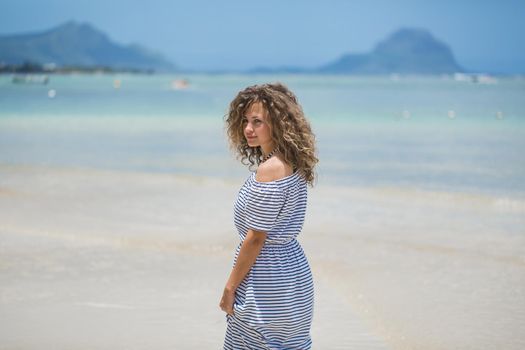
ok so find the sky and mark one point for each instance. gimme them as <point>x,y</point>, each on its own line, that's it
<point>485,36</point>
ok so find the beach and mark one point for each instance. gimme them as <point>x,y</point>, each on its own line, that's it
<point>97,259</point>
<point>119,260</point>
<point>116,213</point>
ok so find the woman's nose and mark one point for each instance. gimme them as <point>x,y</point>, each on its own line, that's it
<point>248,127</point>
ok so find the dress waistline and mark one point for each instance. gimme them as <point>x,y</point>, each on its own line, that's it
<point>279,244</point>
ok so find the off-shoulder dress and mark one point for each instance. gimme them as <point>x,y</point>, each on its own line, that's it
<point>273,305</point>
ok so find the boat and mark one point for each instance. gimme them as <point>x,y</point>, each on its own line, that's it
<point>179,84</point>
<point>30,79</point>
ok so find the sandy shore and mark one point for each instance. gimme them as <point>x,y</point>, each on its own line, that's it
<point>93,259</point>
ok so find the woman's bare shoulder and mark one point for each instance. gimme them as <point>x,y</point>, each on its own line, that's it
<point>273,169</point>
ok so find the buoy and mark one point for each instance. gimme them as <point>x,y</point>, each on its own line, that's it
<point>117,83</point>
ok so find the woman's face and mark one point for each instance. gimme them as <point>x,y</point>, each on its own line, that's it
<point>257,131</point>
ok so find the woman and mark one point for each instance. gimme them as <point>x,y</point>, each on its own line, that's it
<point>269,295</point>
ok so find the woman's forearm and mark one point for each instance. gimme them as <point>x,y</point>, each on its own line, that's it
<point>250,249</point>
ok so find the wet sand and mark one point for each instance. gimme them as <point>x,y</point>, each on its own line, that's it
<point>93,259</point>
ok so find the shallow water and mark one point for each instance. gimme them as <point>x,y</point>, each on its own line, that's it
<point>431,133</point>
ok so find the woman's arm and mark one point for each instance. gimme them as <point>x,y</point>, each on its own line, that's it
<point>250,249</point>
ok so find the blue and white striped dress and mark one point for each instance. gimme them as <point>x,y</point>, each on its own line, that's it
<point>273,305</point>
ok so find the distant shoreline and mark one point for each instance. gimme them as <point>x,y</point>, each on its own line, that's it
<point>36,68</point>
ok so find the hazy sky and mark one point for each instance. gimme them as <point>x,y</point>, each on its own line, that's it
<point>239,34</point>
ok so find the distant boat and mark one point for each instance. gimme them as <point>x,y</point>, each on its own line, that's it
<point>30,79</point>
<point>180,84</point>
<point>477,78</point>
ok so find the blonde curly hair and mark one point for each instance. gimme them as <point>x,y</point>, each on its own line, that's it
<point>290,130</point>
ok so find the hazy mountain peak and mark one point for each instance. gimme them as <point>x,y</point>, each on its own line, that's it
<point>410,40</point>
<point>78,28</point>
<point>78,44</point>
<point>407,50</point>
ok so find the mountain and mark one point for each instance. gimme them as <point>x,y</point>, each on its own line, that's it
<point>407,51</point>
<point>78,44</point>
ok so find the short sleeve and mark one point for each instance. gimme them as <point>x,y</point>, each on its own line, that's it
<point>264,202</point>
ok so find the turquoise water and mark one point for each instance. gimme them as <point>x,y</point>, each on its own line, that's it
<point>430,133</point>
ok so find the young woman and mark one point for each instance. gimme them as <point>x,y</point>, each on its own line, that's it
<point>269,295</point>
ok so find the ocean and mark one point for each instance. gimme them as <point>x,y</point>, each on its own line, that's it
<point>430,133</point>
<point>117,193</point>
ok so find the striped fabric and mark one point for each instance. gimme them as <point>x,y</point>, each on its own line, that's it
<point>274,303</point>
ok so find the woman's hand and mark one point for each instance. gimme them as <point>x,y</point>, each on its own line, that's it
<point>228,297</point>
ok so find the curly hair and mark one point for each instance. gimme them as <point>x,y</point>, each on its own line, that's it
<point>290,130</point>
